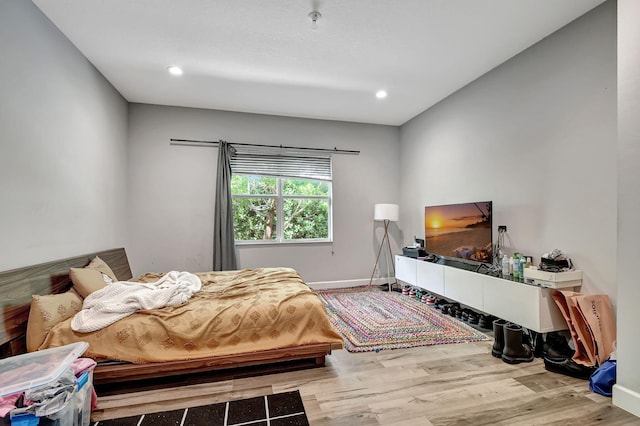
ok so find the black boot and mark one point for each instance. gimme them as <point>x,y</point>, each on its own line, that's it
<point>537,343</point>
<point>557,348</point>
<point>498,335</point>
<point>515,350</point>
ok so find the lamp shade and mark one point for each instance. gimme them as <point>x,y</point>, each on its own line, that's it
<point>386,212</point>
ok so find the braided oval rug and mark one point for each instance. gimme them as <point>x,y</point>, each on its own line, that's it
<point>372,320</point>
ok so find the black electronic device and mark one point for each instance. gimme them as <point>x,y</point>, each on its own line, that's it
<point>414,252</point>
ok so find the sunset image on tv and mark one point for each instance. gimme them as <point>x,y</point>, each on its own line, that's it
<point>459,230</point>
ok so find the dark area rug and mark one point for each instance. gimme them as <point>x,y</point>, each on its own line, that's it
<point>276,410</point>
<point>372,320</point>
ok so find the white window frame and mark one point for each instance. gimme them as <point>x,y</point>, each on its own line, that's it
<point>280,197</point>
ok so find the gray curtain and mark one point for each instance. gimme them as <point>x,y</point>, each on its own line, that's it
<point>224,247</point>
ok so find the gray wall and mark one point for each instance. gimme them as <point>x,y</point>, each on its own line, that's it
<point>626,393</point>
<point>171,198</point>
<point>537,136</point>
<point>62,145</point>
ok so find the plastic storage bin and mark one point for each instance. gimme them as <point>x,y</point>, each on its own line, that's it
<point>28,371</point>
<point>82,408</point>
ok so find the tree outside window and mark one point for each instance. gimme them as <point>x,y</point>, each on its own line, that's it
<point>280,209</point>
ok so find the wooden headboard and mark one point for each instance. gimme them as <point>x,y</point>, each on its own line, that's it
<point>18,285</point>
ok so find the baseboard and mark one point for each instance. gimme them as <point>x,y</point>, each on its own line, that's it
<point>329,285</point>
<point>627,399</point>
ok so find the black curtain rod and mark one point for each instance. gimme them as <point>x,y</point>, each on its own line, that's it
<point>190,142</point>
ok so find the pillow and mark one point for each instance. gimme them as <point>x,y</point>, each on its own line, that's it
<point>94,276</point>
<point>47,311</point>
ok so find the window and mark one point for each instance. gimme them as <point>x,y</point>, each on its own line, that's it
<point>284,199</point>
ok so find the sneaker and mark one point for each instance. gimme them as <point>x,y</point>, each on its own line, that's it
<point>406,289</point>
<point>431,300</point>
<point>412,292</point>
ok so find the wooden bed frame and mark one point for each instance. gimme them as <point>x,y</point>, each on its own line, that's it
<point>18,285</point>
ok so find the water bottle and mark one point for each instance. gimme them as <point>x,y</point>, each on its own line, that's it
<point>516,267</point>
<point>505,266</point>
<point>523,262</point>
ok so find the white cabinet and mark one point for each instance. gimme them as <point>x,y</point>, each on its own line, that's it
<point>430,276</point>
<point>464,287</point>
<point>527,305</point>
<point>406,269</point>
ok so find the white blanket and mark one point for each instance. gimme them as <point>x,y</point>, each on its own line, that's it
<point>122,298</point>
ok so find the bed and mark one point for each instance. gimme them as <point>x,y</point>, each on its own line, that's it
<point>265,316</point>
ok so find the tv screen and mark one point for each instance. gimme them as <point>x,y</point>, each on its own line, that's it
<point>462,231</point>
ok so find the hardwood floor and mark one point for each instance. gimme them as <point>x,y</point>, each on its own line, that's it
<point>460,384</point>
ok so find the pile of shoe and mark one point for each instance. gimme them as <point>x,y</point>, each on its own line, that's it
<point>514,344</point>
<point>414,292</point>
<point>420,294</point>
<point>465,314</point>
<point>451,308</point>
<point>440,303</point>
<point>486,321</point>
<point>472,317</point>
<point>429,299</point>
<point>557,355</point>
<point>510,343</point>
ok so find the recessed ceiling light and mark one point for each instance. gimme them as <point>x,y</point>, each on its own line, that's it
<point>381,94</point>
<point>175,70</point>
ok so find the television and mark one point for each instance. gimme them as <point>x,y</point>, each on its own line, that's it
<point>460,231</point>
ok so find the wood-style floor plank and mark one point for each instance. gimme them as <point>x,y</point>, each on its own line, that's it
<point>458,384</point>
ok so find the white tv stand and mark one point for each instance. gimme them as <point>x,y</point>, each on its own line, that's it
<point>528,305</point>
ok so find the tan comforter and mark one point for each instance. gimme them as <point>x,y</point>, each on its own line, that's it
<point>234,312</point>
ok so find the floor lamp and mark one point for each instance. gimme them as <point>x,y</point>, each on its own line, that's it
<point>387,213</point>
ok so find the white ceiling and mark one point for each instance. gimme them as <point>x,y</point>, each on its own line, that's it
<point>261,56</point>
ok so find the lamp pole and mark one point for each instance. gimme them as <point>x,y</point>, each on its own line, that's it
<point>375,266</point>
<point>386,213</point>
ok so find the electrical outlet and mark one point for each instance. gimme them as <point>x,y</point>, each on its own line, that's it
<point>502,228</point>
